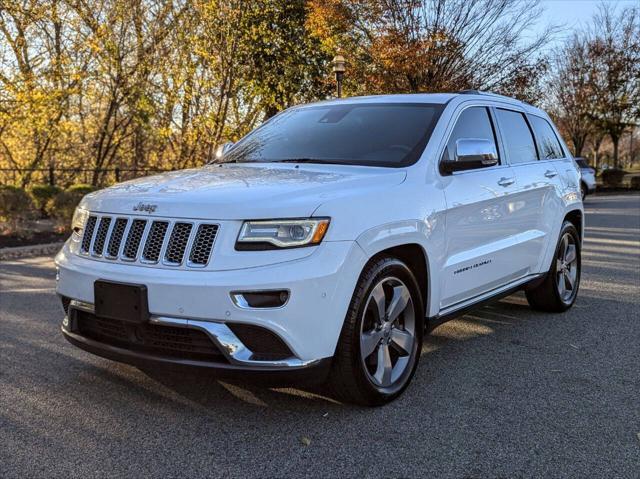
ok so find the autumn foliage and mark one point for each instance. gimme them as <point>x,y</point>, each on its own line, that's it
<point>160,83</point>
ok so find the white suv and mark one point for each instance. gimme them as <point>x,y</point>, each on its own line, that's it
<point>329,240</point>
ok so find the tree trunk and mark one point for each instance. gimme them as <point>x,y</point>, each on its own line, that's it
<point>270,111</point>
<point>616,161</point>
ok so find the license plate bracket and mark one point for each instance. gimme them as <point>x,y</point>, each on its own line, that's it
<point>121,301</point>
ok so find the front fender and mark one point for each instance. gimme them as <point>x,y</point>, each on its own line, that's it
<point>427,233</point>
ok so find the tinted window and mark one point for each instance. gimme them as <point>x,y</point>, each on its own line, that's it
<point>517,136</point>
<point>582,163</point>
<point>393,134</point>
<point>548,144</point>
<point>474,122</point>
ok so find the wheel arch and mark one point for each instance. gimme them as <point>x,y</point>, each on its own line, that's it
<point>416,259</point>
<point>576,218</point>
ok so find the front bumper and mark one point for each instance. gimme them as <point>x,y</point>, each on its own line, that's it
<point>320,285</point>
<point>286,371</point>
<point>590,183</point>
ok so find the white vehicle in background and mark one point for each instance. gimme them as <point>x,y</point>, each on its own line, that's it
<point>587,179</point>
<point>329,240</point>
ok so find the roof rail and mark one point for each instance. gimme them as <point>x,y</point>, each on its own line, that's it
<point>488,93</point>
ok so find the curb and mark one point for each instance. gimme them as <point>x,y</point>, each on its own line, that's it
<point>30,251</point>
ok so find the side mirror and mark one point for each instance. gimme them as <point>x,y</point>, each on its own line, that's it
<point>471,153</point>
<point>222,149</point>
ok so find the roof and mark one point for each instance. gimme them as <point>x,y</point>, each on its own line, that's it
<point>437,98</point>
<point>403,98</point>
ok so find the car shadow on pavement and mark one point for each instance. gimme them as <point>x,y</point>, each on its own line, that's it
<point>501,319</point>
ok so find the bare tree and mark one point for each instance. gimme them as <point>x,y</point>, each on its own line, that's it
<point>614,52</point>
<point>435,45</point>
<point>572,93</point>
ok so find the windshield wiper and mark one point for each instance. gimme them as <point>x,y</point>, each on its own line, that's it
<point>319,161</point>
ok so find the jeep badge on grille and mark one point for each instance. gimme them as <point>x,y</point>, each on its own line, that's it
<point>148,207</point>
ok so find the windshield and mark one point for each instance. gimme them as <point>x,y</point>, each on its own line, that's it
<point>393,135</point>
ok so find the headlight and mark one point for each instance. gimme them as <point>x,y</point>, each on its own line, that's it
<point>79,219</point>
<point>275,234</point>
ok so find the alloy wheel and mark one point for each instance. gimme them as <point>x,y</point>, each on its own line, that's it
<point>388,332</point>
<point>567,268</point>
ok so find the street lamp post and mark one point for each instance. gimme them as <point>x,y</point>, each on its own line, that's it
<point>338,68</point>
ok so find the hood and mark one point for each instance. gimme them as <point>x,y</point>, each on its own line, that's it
<point>241,191</point>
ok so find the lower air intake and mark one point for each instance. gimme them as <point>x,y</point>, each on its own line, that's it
<point>265,345</point>
<point>157,340</point>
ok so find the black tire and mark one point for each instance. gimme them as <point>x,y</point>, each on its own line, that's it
<point>351,379</point>
<point>583,191</point>
<point>547,295</point>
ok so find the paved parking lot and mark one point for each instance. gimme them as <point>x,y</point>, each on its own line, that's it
<point>503,392</point>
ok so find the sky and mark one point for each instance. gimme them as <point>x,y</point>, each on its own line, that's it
<point>573,14</point>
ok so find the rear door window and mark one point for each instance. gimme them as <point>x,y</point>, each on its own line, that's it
<point>517,137</point>
<point>548,144</point>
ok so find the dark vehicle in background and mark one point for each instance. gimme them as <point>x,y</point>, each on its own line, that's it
<point>588,177</point>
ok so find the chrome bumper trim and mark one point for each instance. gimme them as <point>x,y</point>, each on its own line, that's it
<point>222,336</point>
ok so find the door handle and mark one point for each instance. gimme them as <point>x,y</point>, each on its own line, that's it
<point>550,173</point>
<point>506,181</point>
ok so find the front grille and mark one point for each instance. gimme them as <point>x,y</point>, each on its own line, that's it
<point>154,241</point>
<point>163,241</point>
<point>158,340</point>
<point>101,235</point>
<point>116,237</point>
<point>178,242</point>
<point>88,234</point>
<point>133,239</point>
<point>201,250</point>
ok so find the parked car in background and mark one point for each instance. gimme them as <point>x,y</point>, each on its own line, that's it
<point>329,240</point>
<point>588,177</point>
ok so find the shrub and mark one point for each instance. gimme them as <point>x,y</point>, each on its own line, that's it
<point>41,194</point>
<point>612,177</point>
<point>62,206</point>
<point>635,183</point>
<point>81,189</point>
<point>15,207</point>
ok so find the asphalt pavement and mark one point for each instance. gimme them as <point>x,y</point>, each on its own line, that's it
<point>503,392</point>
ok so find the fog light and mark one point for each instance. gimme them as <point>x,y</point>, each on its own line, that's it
<point>260,299</point>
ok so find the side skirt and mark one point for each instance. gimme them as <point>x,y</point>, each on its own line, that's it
<point>458,310</point>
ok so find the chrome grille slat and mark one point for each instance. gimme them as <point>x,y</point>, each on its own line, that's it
<point>178,241</point>
<point>101,236</point>
<point>134,238</point>
<point>154,241</point>
<point>89,229</point>
<point>163,242</point>
<point>115,240</point>
<point>203,244</point>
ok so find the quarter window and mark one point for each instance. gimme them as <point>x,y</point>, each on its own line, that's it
<point>548,144</point>
<point>474,122</point>
<point>517,137</point>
